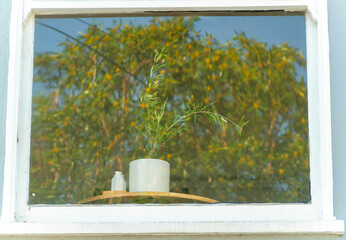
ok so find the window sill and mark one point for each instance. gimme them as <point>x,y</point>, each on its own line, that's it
<point>335,227</point>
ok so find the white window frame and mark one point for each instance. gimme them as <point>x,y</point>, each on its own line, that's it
<point>21,219</point>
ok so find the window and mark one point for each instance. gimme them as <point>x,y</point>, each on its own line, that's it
<point>319,209</point>
<point>88,118</point>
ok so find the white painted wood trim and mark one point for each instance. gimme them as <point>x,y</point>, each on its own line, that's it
<point>234,218</point>
<point>26,10</point>
<point>119,6</point>
<point>24,120</point>
<point>174,228</point>
<point>14,66</point>
<point>319,108</point>
<point>326,168</point>
<point>313,106</point>
<point>170,213</point>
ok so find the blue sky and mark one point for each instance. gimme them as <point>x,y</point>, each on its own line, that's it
<point>270,29</point>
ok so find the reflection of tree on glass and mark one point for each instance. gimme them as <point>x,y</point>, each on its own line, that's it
<point>86,124</point>
<point>158,134</point>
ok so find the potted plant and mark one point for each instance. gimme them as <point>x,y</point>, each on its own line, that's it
<point>150,174</point>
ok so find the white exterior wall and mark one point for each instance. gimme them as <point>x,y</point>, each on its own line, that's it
<point>5,11</point>
<point>337,38</point>
<point>337,20</point>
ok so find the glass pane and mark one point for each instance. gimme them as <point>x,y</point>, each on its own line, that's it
<point>89,119</point>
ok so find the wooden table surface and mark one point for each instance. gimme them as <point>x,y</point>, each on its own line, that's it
<point>124,194</point>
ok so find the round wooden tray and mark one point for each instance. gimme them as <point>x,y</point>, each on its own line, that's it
<point>123,194</point>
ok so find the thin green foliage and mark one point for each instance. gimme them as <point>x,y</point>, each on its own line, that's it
<point>157,134</point>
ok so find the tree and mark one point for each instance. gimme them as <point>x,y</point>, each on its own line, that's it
<point>86,124</point>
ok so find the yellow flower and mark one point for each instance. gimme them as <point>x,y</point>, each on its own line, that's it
<point>106,38</point>
<point>216,58</point>
<point>255,105</point>
<point>133,124</point>
<point>108,77</point>
<point>241,160</point>
<point>269,72</point>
